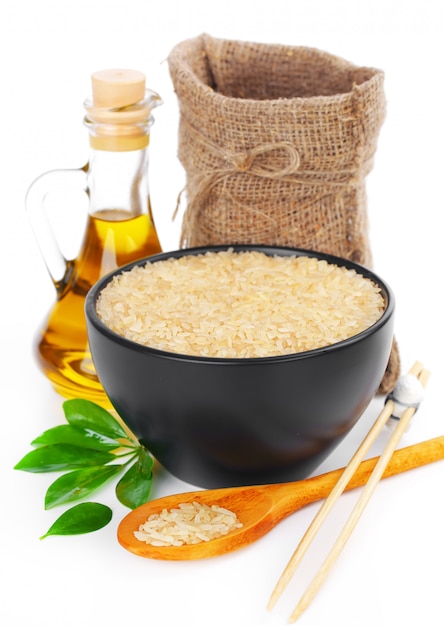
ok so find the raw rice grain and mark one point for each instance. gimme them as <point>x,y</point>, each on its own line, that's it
<point>239,304</point>
<point>189,523</point>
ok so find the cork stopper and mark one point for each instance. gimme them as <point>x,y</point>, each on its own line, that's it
<point>117,88</point>
<point>119,110</point>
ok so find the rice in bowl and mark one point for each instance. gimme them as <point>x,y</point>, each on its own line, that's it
<point>248,304</point>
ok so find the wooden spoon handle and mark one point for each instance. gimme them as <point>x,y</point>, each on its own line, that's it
<point>316,488</point>
<point>402,460</point>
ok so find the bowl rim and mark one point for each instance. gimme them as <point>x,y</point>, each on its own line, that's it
<point>93,293</point>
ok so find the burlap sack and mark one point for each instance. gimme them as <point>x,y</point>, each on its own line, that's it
<point>276,142</point>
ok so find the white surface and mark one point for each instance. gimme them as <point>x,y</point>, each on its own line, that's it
<point>390,571</point>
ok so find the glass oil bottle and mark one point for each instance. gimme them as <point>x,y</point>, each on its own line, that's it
<point>119,227</point>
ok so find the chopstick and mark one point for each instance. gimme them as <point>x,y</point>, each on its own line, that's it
<point>423,375</point>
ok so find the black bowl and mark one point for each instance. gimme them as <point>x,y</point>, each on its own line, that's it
<point>216,422</point>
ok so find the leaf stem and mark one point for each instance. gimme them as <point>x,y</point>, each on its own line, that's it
<point>131,454</point>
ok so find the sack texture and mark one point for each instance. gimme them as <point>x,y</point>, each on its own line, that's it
<point>276,142</point>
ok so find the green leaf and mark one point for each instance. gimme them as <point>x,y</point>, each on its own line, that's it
<point>62,456</point>
<point>76,436</point>
<point>78,484</point>
<point>81,518</point>
<point>91,416</point>
<point>134,488</point>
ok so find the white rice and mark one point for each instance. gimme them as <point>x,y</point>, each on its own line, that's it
<point>190,523</point>
<point>239,305</point>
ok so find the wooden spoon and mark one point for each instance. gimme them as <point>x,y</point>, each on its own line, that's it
<point>260,507</point>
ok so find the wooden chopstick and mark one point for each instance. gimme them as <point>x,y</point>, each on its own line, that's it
<point>423,375</point>
<point>338,489</point>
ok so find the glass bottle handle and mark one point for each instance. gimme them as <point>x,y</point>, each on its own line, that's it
<point>58,267</point>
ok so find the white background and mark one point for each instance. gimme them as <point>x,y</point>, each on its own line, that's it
<point>391,569</point>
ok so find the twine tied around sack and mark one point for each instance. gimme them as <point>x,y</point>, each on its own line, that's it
<point>248,163</point>
<point>242,162</point>
<point>245,161</point>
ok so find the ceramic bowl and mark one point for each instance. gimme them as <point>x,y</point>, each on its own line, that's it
<point>216,422</point>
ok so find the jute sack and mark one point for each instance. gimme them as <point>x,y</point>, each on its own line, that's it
<point>276,142</point>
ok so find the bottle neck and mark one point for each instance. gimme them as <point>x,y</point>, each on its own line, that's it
<point>117,183</point>
<point>117,171</point>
